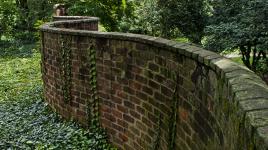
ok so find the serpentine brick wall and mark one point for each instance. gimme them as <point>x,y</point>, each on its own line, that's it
<point>154,93</point>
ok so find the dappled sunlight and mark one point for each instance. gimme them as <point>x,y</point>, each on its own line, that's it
<point>18,74</point>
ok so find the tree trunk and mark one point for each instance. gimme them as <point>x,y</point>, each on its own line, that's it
<point>246,55</point>
<point>255,59</point>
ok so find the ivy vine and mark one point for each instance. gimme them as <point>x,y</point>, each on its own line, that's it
<point>174,117</point>
<point>65,70</point>
<point>172,121</point>
<point>93,102</point>
<point>43,57</point>
<point>156,140</point>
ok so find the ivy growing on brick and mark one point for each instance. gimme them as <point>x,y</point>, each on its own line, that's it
<point>43,59</point>
<point>93,101</point>
<point>65,70</point>
<point>156,141</point>
<point>174,116</point>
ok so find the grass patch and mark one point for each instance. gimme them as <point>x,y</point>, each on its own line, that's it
<point>182,40</point>
<point>26,122</point>
<point>237,60</point>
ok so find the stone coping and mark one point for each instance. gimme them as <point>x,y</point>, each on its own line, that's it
<point>72,20</point>
<point>74,17</point>
<point>249,92</point>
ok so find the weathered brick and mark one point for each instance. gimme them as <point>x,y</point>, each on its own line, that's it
<point>122,108</point>
<point>74,104</point>
<point>129,90</point>
<point>160,60</point>
<point>122,123</point>
<point>128,118</point>
<point>141,126</point>
<point>134,114</point>
<point>159,78</point>
<point>140,62</point>
<point>135,100</point>
<point>153,67</point>
<point>147,90</point>
<point>159,96</point>
<point>122,95</point>
<point>135,131</point>
<point>105,108</point>
<point>147,122</point>
<point>116,100</point>
<point>117,114</point>
<point>153,85</point>
<point>129,75</point>
<point>149,74</point>
<point>135,85</point>
<point>128,104</point>
<point>141,95</point>
<point>141,79</point>
<point>136,69</point>
<point>123,137</point>
<point>147,107</point>
<point>117,127</point>
<point>166,91</point>
<point>136,79</point>
<point>140,110</point>
<point>141,47</point>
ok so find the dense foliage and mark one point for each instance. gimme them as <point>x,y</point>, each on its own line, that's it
<point>169,19</point>
<point>145,19</point>
<point>26,122</point>
<point>244,25</point>
<point>18,18</point>
<point>109,11</point>
<point>7,16</point>
<point>189,16</point>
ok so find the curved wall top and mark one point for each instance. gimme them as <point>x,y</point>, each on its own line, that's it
<point>154,93</point>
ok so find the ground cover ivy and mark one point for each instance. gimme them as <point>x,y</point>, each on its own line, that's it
<point>26,121</point>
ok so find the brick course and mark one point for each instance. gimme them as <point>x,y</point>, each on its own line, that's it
<point>147,85</point>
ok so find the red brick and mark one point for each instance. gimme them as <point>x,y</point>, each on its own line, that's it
<point>135,85</point>
<point>134,114</point>
<point>147,122</point>
<point>109,117</point>
<point>122,95</point>
<point>141,79</point>
<point>116,100</point>
<point>147,90</point>
<point>105,108</point>
<point>128,118</point>
<point>117,127</point>
<point>122,108</point>
<point>123,137</point>
<point>135,100</point>
<point>117,114</point>
<point>153,84</point>
<point>122,123</point>
<point>129,105</point>
<point>140,110</point>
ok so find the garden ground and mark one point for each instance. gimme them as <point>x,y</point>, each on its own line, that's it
<point>26,122</point>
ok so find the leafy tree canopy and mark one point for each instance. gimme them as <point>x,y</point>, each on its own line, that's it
<point>8,16</point>
<point>189,16</point>
<point>240,24</point>
<point>109,11</point>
